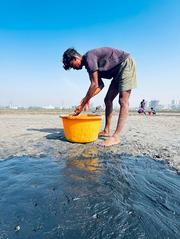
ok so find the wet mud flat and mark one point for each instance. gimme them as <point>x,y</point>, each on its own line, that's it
<point>51,188</point>
<point>90,194</point>
<point>42,134</point>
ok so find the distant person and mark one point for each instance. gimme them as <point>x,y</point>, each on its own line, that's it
<point>143,104</point>
<point>97,109</point>
<point>152,111</point>
<point>108,63</point>
<point>142,107</point>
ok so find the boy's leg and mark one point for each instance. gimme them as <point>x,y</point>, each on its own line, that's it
<point>127,81</point>
<point>124,107</point>
<point>110,96</point>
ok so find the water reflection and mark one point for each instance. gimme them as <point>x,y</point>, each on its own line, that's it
<point>89,165</point>
<point>88,194</point>
<point>87,160</point>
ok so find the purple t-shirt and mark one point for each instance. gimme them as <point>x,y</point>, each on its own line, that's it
<point>105,60</point>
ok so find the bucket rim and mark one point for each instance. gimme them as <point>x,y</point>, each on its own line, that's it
<point>81,117</point>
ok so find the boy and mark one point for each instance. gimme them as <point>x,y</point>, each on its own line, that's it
<point>108,63</point>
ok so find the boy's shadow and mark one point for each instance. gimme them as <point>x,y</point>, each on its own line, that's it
<point>54,133</point>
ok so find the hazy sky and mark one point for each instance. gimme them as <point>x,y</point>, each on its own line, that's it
<point>34,35</point>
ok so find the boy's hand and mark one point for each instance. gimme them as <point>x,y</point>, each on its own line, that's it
<point>80,107</point>
<point>78,110</point>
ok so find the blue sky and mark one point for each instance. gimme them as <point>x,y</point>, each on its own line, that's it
<point>34,35</point>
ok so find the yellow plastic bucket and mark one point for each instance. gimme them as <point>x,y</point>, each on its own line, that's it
<point>83,128</point>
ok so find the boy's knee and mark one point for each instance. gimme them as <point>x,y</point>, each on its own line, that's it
<point>123,102</point>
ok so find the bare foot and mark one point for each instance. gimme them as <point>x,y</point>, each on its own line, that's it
<point>111,141</point>
<point>103,134</point>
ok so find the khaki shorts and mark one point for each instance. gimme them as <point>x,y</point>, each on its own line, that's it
<point>126,76</point>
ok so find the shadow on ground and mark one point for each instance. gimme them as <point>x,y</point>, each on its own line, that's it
<point>54,133</point>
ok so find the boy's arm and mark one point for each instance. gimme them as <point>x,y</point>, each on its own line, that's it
<point>95,87</point>
<point>99,83</point>
<point>99,88</point>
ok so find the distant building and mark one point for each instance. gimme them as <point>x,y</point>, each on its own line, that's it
<point>14,107</point>
<point>178,105</point>
<point>49,107</point>
<point>173,104</point>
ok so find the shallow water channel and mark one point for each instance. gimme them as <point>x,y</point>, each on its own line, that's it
<point>101,196</point>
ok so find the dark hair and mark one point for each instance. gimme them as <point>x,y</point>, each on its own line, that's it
<point>69,55</point>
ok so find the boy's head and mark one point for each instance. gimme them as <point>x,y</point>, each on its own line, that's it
<point>72,59</point>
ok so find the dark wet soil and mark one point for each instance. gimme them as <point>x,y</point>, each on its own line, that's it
<point>90,195</point>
